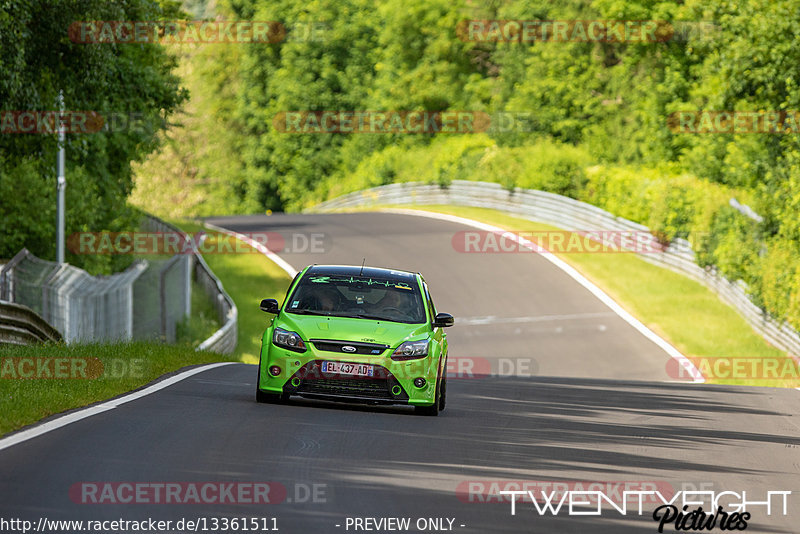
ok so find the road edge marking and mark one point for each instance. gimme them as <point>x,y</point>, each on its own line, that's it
<point>280,262</point>
<point>83,413</point>
<point>672,352</point>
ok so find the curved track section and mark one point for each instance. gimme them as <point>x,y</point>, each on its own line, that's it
<point>592,405</point>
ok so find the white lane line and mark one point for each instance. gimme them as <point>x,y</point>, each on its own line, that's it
<point>674,353</point>
<point>797,361</point>
<point>73,417</point>
<point>493,319</point>
<point>280,262</point>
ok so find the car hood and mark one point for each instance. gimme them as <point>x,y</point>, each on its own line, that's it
<point>350,329</point>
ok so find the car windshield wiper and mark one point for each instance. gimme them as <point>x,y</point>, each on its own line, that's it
<point>309,312</point>
<point>376,317</point>
<point>349,315</point>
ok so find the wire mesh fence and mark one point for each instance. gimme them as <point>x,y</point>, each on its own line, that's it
<point>224,339</point>
<point>162,298</point>
<point>80,306</point>
<point>146,301</point>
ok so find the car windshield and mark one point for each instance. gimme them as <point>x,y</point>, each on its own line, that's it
<point>361,297</point>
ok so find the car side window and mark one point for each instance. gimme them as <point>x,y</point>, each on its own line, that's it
<point>286,297</point>
<point>431,306</point>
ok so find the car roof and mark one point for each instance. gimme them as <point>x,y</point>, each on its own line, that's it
<point>358,271</point>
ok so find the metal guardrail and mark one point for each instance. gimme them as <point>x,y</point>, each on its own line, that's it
<point>145,301</point>
<point>224,339</point>
<point>80,306</point>
<point>571,214</point>
<point>20,325</point>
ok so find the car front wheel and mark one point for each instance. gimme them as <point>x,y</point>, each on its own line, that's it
<point>443,394</point>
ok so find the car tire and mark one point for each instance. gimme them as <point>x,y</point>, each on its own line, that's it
<point>443,394</point>
<point>268,398</point>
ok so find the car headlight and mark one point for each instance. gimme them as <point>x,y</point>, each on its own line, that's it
<point>411,350</point>
<point>288,340</point>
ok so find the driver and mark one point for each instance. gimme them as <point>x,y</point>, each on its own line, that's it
<point>392,299</point>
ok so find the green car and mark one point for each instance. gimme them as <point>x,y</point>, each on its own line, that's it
<point>355,334</point>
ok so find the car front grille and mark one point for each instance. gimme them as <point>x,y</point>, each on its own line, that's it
<point>310,381</point>
<point>333,345</point>
<point>357,387</point>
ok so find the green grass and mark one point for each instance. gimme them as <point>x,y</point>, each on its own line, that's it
<point>125,366</point>
<point>247,278</point>
<point>201,324</point>
<point>684,312</point>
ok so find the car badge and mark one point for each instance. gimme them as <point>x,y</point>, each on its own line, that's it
<point>348,348</point>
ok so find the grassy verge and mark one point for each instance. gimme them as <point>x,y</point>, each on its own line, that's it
<point>201,324</point>
<point>96,372</point>
<point>102,371</point>
<point>684,312</point>
<point>247,277</point>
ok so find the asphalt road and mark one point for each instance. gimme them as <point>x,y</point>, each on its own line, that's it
<point>586,398</point>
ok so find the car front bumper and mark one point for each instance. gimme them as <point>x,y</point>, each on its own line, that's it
<point>392,383</point>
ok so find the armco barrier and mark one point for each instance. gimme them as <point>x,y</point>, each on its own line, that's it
<point>146,301</point>
<point>571,214</point>
<point>80,306</point>
<point>20,325</point>
<point>224,339</point>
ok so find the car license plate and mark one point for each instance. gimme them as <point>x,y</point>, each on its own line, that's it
<point>351,369</point>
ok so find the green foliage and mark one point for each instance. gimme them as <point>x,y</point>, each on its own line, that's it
<point>197,171</point>
<point>552,167</point>
<point>778,285</point>
<point>599,128</point>
<point>38,60</point>
<point>622,191</point>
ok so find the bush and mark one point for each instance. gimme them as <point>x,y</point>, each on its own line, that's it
<point>550,166</point>
<point>670,203</point>
<point>778,283</point>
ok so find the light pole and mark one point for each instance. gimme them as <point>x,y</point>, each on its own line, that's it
<point>62,181</point>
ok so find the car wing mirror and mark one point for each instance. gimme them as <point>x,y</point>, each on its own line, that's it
<point>270,306</point>
<point>443,320</point>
